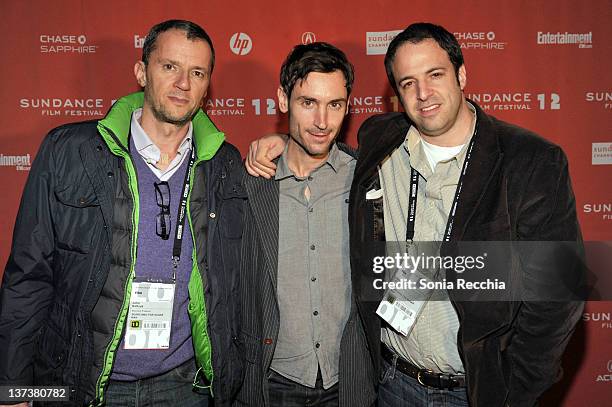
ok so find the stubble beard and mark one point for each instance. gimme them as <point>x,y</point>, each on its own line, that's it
<point>163,116</point>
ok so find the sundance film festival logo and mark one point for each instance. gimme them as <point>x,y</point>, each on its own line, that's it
<point>225,107</point>
<point>486,40</point>
<point>602,209</point>
<point>603,98</point>
<point>64,107</point>
<point>366,104</point>
<point>603,318</point>
<point>62,44</point>
<point>20,162</point>
<point>241,43</point>
<point>500,101</point>
<point>601,153</point>
<point>377,42</point>
<point>308,38</point>
<point>583,40</point>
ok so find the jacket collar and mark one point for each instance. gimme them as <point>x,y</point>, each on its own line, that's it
<point>391,134</point>
<point>483,165</point>
<point>115,128</point>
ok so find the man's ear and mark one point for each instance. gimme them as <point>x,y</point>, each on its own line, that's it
<point>462,77</point>
<point>283,100</point>
<point>140,72</point>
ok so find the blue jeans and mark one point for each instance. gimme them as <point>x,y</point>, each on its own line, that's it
<point>397,389</point>
<point>287,393</point>
<point>173,388</point>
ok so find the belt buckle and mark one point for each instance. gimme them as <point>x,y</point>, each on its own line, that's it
<point>422,371</point>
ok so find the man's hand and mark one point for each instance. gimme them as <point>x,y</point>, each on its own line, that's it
<point>24,404</point>
<point>261,153</point>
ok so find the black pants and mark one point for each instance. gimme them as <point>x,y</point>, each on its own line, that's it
<point>287,393</point>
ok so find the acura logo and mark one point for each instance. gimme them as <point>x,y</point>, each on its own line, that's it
<point>308,38</point>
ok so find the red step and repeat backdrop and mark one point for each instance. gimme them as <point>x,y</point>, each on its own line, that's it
<point>544,65</point>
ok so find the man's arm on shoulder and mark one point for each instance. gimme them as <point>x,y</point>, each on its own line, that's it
<point>262,152</point>
<point>547,217</point>
<point>27,284</point>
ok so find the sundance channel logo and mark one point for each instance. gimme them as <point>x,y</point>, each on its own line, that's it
<point>65,44</point>
<point>377,42</point>
<point>19,162</point>
<point>601,153</point>
<point>485,40</point>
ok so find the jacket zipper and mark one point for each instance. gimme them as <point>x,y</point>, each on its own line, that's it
<point>119,322</point>
<point>197,269</point>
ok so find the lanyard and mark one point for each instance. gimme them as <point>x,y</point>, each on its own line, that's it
<point>414,187</point>
<point>180,217</point>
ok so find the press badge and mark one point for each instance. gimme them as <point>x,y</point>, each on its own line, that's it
<point>400,313</point>
<point>401,305</point>
<point>150,315</point>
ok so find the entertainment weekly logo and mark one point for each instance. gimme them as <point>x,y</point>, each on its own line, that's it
<point>601,153</point>
<point>377,42</point>
<point>139,41</point>
<point>19,162</point>
<point>483,40</point>
<point>516,100</point>
<point>602,98</point>
<point>81,108</point>
<point>65,44</point>
<point>583,40</point>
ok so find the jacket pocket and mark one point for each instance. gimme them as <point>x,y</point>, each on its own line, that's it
<point>76,214</point>
<point>52,348</point>
<point>51,354</point>
<point>251,347</point>
<point>233,200</point>
<point>496,229</point>
<point>77,196</point>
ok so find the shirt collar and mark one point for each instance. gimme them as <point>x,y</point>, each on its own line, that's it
<point>333,160</point>
<point>415,149</point>
<point>145,146</point>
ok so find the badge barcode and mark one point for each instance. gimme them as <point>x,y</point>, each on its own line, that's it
<point>406,310</point>
<point>154,325</point>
